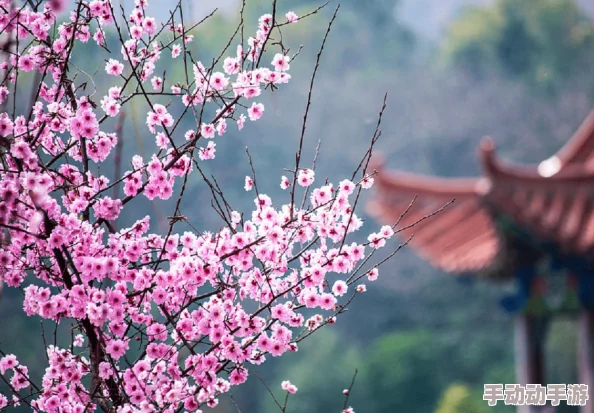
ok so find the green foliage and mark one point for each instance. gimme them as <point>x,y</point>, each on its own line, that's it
<point>561,351</point>
<point>403,373</point>
<point>458,399</point>
<point>543,43</point>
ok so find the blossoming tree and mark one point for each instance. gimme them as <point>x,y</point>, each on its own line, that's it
<point>199,307</point>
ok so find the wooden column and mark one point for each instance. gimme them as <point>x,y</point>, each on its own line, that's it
<point>529,351</point>
<point>585,355</point>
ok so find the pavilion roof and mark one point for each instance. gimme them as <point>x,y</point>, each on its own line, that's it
<point>553,200</point>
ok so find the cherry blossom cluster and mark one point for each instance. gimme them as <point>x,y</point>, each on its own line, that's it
<point>164,321</point>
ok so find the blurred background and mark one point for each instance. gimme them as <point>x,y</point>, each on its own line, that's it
<point>454,71</point>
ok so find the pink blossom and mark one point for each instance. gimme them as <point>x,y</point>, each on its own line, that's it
<point>78,340</point>
<point>289,387</point>
<point>208,130</point>
<point>373,274</point>
<point>305,177</point>
<point>149,25</point>
<point>113,67</point>
<point>218,81</point>
<point>340,288</point>
<point>239,290</point>
<point>248,183</point>
<point>157,82</point>
<point>281,62</point>
<point>255,111</point>
<point>327,301</point>
<point>136,32</point>
<point>367,182</point>
<point>208,152</point>
<point>117,348</point>
<point>8,362</point>
<point>291,17</point>
<point>240,121</point>
<point>26,63</point>
<point>231,65</point>
<point>3,93</point>
<point>175,50</point>
<point>284,182</point>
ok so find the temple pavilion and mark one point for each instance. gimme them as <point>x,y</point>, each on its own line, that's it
<point>532,225</point>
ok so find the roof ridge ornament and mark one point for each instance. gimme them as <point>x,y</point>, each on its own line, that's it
<point>487,155</point>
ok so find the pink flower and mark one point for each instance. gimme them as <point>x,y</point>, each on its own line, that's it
<point>3,93</point>
<point>110,106</point>
<point>208,130</point>
<point>289,387</point>
<point>52,404</point>
<point>231,65</point>
<point>240,121</point>
<point>376,240</point>
<point>208,152</point>
<point>175,50</point>
<point>157,83</point>
<point>238,376</point>
<point>248,183</point>
<point>26,63</point>
<point>190,404</point>
<point>367,182</point>
<point>284,182</point>
<point>136,32</point>
<point>386,231</point>
<point>255,111</point>
<point>291,17</point>
<point>117,348</point>
<point>305,177</point>
<point>327,301</point>
<point>311,299</point>
<point>373,274</point>
<point>78,340</point>
<point>114,68</point>
<point>8,362</point>
<point>221,127</point>
<point>281,62</point>
<point>218,81</point>
<point>340,288</point>
<point>105,370</point>
<point>149,25</point>
<point>346,187</point>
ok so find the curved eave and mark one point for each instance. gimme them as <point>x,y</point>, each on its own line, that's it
<point>580,147</point>
<point>460,239</point>
<point>499,171</point>
<point>575,160</point>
